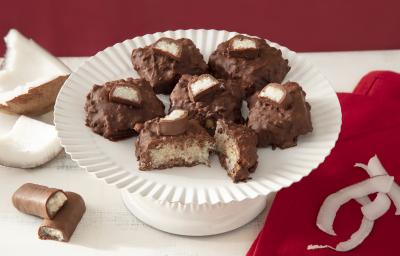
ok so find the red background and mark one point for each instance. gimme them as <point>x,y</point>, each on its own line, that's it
<point>74,28</point>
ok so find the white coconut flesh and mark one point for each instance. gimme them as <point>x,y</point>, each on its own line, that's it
<point>30,143</point>
<point>375,168</point>
<point>26,65</point>
<point>379,182</point>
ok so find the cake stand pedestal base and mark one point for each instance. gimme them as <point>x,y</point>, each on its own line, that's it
<point>193,219</point>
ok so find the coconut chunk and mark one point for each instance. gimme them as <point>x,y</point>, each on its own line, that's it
<point>56,202</point>
<point>375,168</point>
<point>29,144</point>
<point>332,203</point>
<point>30,77</point>
<point>127,95</point>
<point>355,240</point>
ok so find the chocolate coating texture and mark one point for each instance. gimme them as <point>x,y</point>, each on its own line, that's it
<point>224,104</point>
<point>246,146</point>
<point>115,121</point>
<point>279,126</point>
<point>66,220</point>
<point>149,139</point>
<point>32,199</point>
<point>163,71</point>
<point>253,73</point>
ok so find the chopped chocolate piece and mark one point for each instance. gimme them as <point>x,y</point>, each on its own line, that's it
<point>279,125</point>
<point>39,200</point>
<point>115,121</point>
<point>244,47</point>
<point>126,94</point>
<point>174,123</point>
<point>237,149</point>
<point>202,86</point>
<point>252,67</point>
<point>163,62</point>
<point>64,223</point>
<point>190,148</point>
<point>225,103</point>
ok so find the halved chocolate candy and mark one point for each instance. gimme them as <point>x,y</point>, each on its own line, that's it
<point>64,223</point>
<point>169,47</point>
<point>39,200</point>
<point>202,86</point>
<point>243,47</point>
<point>126,94</point>
<point>174,123</point>
<point>276,94</point>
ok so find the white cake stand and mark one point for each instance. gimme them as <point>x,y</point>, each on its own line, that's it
<point>193,219</point>
<point>199,200</point>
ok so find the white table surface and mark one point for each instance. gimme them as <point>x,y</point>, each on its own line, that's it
<point>108,228</point>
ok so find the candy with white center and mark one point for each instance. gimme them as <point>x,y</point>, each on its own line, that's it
<point>202,86</point>
<point>275,93</point>
<point>39,200</point>
<point>243,46</point>
<point>332,203</point>
<point>126,94</point>
<point>375,168</point>
<point>169,47</point>
<point>29,144</point>
<point>30,77</point>
<point>174,123</point>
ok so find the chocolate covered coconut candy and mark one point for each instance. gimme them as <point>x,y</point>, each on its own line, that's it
<point>208,99</point>
<point>174,141</point>
<point>236,146</point>
<point>165,61</point>
<point>39,200</point>
<point>279,114</point>
<point>63,225</point>
<point>250,60</point>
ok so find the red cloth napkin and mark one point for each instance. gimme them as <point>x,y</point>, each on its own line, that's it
<point>371,125</point>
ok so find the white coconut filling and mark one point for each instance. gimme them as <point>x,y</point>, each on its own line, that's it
<point>203,83</point>
<point>53,233</point>
<point>243,43</point>
<point>56,202</point>
<point>28,144</point>
<point>227,147</point>
<point>177,113</point>
<point>190,152</point>
<point>27,65</point>
<point>273,93</point>
<point>126,93</point>
<point>168,46</point>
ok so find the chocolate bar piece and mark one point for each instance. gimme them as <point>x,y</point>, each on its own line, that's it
<point>243,46</point>
<point>126,94</point>
<point>202,86</point>
<point>39,200</point>
<point>174,123</point>
<point>276,94</point>
<point>169,47</point>
<point>63,225</point>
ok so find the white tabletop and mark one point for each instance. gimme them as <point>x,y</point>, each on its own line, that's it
<point>108,228</point>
